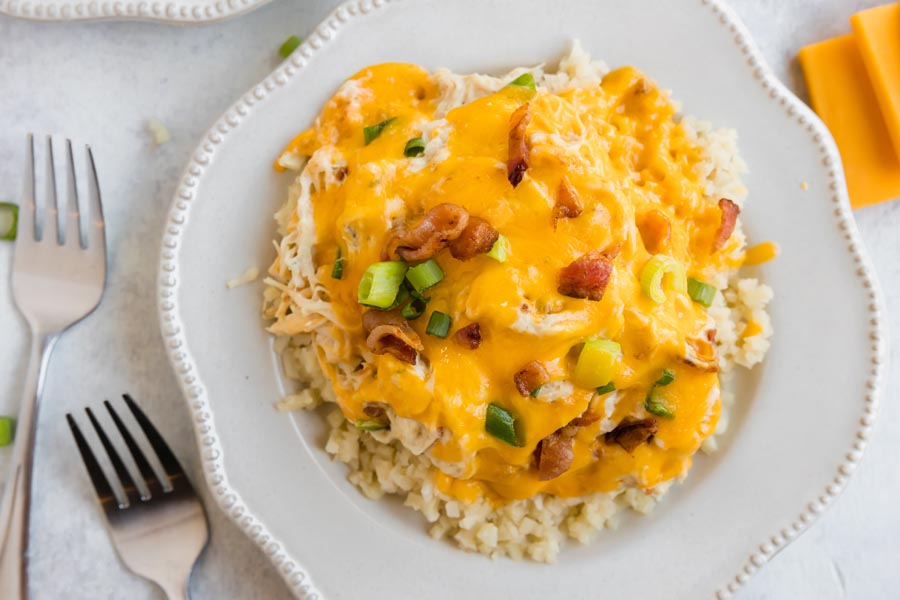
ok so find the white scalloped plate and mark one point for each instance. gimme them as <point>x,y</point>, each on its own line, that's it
<point>802,421</point>
<point>180,12</point>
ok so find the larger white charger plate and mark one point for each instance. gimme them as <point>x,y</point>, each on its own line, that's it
<point>160,11</point>
<point>802,420</point>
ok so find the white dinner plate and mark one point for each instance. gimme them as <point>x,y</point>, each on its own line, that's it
<point>160,11</point>
<point>803,416</point>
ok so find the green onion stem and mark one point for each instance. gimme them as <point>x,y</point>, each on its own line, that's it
<point>289,45</point>
<point>414,147</point>
<point>438,324</point>
<point>502,425</point>
<point>425,275</point>
<point>380,283</point>
<point>9,220</point>
<point>373,131</point>
<point>700,292</point>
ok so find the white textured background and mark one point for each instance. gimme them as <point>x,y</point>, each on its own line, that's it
<point>99,83</point>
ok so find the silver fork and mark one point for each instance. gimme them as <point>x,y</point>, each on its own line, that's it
<point>58,278</point>
<point>160,535</point>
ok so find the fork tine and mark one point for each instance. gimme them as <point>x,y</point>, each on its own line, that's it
<point>29,203</point>
<point>98,478</point>
<point>51,205</point>
<point>169,463</point>
<point>95,236</point>
<point>73,217</point>
<point>131,490</point>
<point>143,465</point>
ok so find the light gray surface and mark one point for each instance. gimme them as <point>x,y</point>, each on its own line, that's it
<point>99,83</point>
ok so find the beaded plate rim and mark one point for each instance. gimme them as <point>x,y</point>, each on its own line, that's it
<point>229,499</point>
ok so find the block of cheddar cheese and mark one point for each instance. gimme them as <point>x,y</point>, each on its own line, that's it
<point>877,34</point>
<point>842,95</point>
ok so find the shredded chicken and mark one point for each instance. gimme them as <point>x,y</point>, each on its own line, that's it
<point>568,202</point>
<point>730,212</point>
<point>586,277</point>
<point>390,333</point>
<point>440,225</point>
<point>477,238</point>
<point>517,162</point>
<point>469,336</point>
<point>554,453</point>
<point>631,433</point>
<point>531,377</point>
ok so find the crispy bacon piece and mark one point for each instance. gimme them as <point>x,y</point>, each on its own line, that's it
<point>531,377</point>
<point>469,336</point>
<point>631,433</point>
<point>568,202</point>
<point>374,410</point>
<point>477,238</point>
<point>655,230</point>
<point>730,212</point>
<point>518,145</point>
<point>586,418</point>
<point>586,277</point>
<point>554,454</point>
<point>390,333</point>
<point>440,225</point>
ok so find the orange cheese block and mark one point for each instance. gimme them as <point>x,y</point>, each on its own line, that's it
<point>877,33</point>
<point>842,95</point>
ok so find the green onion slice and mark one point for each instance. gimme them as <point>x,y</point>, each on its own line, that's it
<point>414,147</point>
<point>373,131</point>
<point>502,425</point>
<point>7,430</point>
<point>380,283</point>
<point>596,363</point>
<point>400,300</point>
<point>425,275</point>
<point>9,220</point>
<point>667,377</point>
<point>289,45</point>
<point>700,292</point>
<point>370,425</point>
<point>652,274</point>
<point>536,391</point>
<point>605,389</point>
<point>438,324</point>
<point>337,271</point>
<point>415,308</point>
<point>500,250</point>
<point>525,80</point>
<point>655,406</point>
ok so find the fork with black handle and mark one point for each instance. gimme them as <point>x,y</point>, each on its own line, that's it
<point>158,535</point>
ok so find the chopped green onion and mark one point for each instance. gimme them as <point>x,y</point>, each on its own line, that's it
<point>7,430</point>
<point>596,363</point>
<point>414,147</point>
<point>502,425</point>
<point>415,308</point>
<point>652,277</point>
<point>289,45</point>
<point>605,389</point>
<point>525,80</point>
<point>380,283</point>
<point>337,271</point>
<point>9,220</point>
<point>438,324</point>
<point>667,377</point>
<point>700,292</point>
<point>370,425</point>
<point>655,406</point>
<point>500,250</point>
<point>425,275</point>
<point>400,300</point>
<point>373,131</point>
<point>536,391</point>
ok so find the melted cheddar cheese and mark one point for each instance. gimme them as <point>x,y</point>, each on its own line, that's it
<point>620,145</point>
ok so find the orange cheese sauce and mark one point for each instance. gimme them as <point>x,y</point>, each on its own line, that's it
<point>620,146</point>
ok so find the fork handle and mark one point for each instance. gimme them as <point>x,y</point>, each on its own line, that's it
<point>14,510</point>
